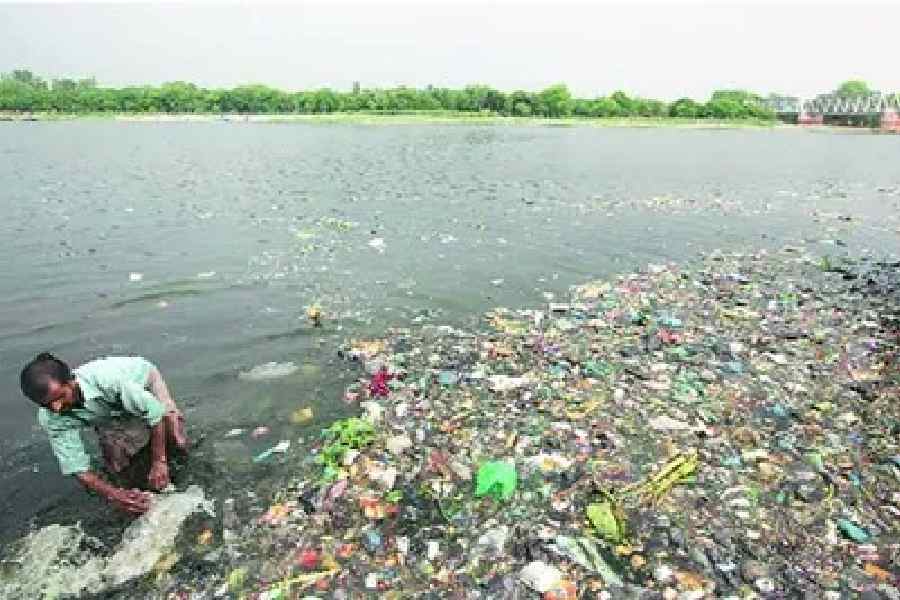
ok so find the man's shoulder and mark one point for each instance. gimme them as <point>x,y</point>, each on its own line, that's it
<point>113,367</point>
<point>108,362</point>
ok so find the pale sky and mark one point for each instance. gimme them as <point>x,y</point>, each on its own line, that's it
<point>662,50</point>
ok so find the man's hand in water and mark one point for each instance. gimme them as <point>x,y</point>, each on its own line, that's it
<point>135,502</point>
<point>159,475</point>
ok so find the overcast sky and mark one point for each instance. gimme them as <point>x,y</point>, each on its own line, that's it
<point>664,50</point>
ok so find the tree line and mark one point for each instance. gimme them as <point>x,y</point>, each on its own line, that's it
<point>23,91</point>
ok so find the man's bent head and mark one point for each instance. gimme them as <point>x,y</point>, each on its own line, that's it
<point>49,383</point>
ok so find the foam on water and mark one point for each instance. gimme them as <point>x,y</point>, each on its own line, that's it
<point>56,561</point>
<point>269,370</point>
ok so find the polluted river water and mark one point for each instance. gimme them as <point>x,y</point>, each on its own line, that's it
<point>203,246</point>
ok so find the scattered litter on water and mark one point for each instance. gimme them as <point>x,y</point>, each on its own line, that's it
<point>279,448</point>
<point>726,428</point>
<point>260,431</point>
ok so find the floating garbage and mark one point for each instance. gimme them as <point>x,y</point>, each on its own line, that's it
<point>497,479</point>
<point>315,315</point>
<point>279,448</point>
<point>725,428</point>
<point>302,415</point>
<point>584,551</point>
<point>666,423</point>
<point>540,576</point>
<point>258,432</point>
<point>601,516</point>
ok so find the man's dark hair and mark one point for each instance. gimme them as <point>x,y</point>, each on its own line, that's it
<point>37,374</point>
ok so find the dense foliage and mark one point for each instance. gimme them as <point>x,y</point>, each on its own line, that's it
<point>23,91</point>
<point>853,88</point>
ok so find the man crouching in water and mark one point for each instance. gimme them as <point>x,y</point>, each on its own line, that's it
<point>126,401</point>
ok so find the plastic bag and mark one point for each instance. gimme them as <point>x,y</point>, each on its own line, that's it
<point>496,478</point>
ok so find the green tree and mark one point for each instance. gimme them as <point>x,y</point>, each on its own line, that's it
<point>685,108</point>
<point>853,88</point>
<point>606,107</point>
<point>582,107</point>
<point>649,108</point>
<point>325,101</point>
<point>180,97</point>
<point>724,108</point>
<point>518,104</point>
<point>555,101</point>
<point>477,98</point>
<point>736,104</point>
<point>521,109</point>
<point>15,95</point>
<point>22,90</point>
<point>626,106</point>
<point>495,100</point>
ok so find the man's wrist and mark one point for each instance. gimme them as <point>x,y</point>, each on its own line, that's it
<point>158,442</point>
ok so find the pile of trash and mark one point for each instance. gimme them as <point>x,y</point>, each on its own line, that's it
<point>731,430</point>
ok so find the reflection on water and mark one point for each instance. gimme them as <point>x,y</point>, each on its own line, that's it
<point>232,232</point>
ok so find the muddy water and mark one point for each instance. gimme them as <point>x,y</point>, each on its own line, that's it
<point>199,245</point>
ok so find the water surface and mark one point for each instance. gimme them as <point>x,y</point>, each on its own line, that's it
<point>199,245</point>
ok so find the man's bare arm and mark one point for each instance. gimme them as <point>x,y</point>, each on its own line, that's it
<point>159,467</point>
<point>135,502</point>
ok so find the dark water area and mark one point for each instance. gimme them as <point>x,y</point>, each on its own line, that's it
<point>200,245</point>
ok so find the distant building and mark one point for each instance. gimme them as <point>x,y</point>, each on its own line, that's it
<point>782,104</point>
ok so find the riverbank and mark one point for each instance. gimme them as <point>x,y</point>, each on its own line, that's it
<point>409,118</point>
<point>723,429</point>
<point>437,118</point>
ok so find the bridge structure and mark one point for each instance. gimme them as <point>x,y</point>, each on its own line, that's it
<point>873,110</point>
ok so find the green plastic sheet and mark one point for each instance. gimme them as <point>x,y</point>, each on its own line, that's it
<point>602,518</point>
<point>497,479</point>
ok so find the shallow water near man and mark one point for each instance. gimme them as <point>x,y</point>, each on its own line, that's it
<point>127,402</point>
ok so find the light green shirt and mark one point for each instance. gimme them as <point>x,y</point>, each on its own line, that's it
<point>113,388</point>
